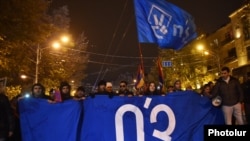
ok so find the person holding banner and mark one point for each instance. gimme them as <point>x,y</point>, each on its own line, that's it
<point>65,90</point>
<point>38,91</point>
<point>231,93</point>
<point>101,87</point>
<point>206,91</point>
<point>61,95</point>
<point>177,86</point>
<point>151,89</point>
<point>123,90</point>
<point>170,89</point>
<point>109,89</point>
<point>80,93</point>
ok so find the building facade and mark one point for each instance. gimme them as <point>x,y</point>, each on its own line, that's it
<point>231,42</point>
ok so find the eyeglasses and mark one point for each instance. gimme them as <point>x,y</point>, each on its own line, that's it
<point>122,86</point>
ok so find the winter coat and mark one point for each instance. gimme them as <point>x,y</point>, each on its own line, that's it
<point>231,92</point>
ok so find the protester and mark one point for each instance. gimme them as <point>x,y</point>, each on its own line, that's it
<point>101,87</point>
<point>52,94</point>
<point>151,89</point>
<point>177,86</point>
<point>211,85</point>
<point>123,90</point>
<point>246,90</point>
<point>65,90</point>
<point>80,93</point>
<point>38,91</point>
<point>109,89</point>
<point>206,91</point>
<point>170,89</point>
<point>231,93</point>
<point>7,122</point>
<point>189,88</point>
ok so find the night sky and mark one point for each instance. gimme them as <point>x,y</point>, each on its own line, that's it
<point>110,28</point>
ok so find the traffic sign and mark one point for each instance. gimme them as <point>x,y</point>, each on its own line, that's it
<point>167,63</point>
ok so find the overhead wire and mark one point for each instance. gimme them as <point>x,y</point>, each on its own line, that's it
<point>123,36</point>
<point>116,30</point>
<point>112,64</point>
<point>111,43</point>
<point>107,55</point>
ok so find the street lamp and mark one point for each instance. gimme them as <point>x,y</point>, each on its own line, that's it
<point>23,76</point>
<point>200,47</point>
<point>64,39</point>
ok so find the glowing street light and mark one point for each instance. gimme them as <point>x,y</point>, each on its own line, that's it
<point>23,76</point>
<point>55,45</point>
<point>65,39</point>
<point>200,47</point>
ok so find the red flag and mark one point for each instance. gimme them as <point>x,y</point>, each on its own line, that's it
<point>140,77</point>
<point>160,73</point>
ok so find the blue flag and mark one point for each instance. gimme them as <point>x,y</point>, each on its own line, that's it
<point>163,23</point>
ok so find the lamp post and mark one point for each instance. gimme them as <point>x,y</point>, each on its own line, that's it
<point>57,44</point>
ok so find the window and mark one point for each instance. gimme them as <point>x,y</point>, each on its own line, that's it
<point>231,56</point>
<point>232,53</point>
<point>246,27</point>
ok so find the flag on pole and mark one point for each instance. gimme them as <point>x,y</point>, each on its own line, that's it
<point>163,23</point>
<point>140,77</point>
<point>160,73</point>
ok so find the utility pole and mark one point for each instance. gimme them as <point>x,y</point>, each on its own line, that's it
<point>37,63</point>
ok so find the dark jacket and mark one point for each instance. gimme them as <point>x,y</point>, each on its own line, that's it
<point>125,92</point>
<point>147,92</point>
<point>231,92</point>
<point>6,117</point>
<point>246,90</point>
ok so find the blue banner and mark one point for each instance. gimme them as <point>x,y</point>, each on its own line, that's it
<point>179,116</point>
<point>163,23</point>
<point>42,121</point>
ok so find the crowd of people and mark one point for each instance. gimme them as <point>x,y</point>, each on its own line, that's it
<point>234,96</point>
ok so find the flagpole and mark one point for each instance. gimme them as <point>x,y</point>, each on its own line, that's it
<point>141,57</point>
